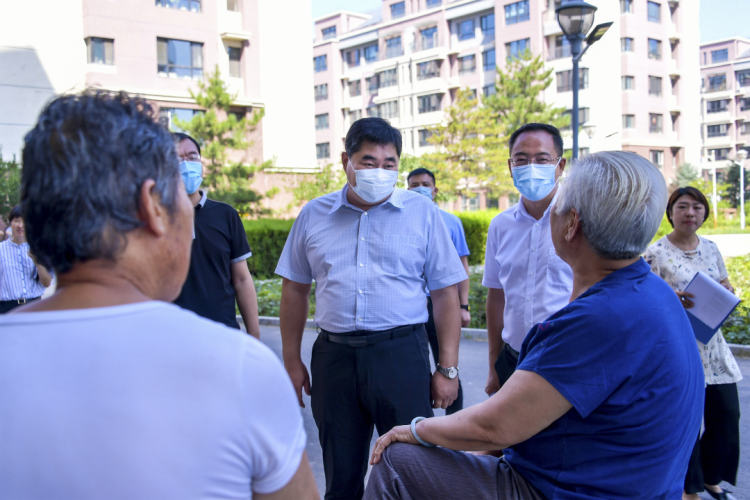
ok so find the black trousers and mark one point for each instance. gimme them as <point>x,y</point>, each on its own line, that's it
<point>506,363</point>
<point>9,305</point>
<point>716,454</point>
<point>458,404</point>
<point>355,388</point>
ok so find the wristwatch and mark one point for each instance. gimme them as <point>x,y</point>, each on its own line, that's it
<point>450,372</point>
<point>465,307</point>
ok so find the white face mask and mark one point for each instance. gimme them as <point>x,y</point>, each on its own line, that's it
<point>374,184</point>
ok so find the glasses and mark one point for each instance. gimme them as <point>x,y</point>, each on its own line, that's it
<point>194,156</point>
<point>540,160</point>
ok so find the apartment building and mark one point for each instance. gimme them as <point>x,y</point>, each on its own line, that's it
<point>725,98</point>
<point>638,84</point>
<point>160,50</point>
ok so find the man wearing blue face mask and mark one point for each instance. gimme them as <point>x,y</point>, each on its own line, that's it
<point>218,272</point>
<point>372,250</point>
<point>526,279</point>
<point>422,181</point>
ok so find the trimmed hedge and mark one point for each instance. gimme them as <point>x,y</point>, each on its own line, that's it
<point>266,238</point>
<point>476,225</point>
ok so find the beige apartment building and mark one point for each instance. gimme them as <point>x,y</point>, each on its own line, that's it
<point>638,83</point>
<point>160,50</point>
<point>725,98</point>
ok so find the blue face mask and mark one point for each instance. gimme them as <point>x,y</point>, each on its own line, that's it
<point>535,180</point>
<point>423,190</point>
<point>192,175</point>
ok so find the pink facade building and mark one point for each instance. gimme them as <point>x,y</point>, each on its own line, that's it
<point>638,83</point>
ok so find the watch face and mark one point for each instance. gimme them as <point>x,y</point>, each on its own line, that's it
<point>452,372</point>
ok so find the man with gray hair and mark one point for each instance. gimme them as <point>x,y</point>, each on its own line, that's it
<point>110,391</point>
<point>608,394</point>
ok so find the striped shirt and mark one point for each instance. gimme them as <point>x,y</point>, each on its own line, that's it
<point>18,275</point>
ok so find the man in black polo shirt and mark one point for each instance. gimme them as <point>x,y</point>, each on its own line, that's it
<point>218,272</point>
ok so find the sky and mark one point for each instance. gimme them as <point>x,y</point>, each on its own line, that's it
<point>718,18</point>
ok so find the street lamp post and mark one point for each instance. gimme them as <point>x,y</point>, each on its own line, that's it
<point>742,156</point>
<point>575,18</point>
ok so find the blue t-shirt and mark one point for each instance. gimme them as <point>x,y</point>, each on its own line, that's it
<point>623,354</point>
<point>453,223</point>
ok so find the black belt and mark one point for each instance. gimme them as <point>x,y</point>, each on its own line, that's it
<point>18,302</point>
<point>362,338</point>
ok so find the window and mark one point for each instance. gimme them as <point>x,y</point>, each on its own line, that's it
<point>355,115</point>
<point>179,58</point>
<point>393,47</point>
<point>745,128</point>
<point>466,29</point>
<point>321,63</point>
<point>233,5</point>
<point>355,88</point>
<point>517,12</point>
<point>657,157</point>
<point>372,83</point>
<point>583,116</point>
<point>191,5</point>
<point>467,64</point>
<point>628,82</point>
<point>387,78</point>
<point>428,37</point>
<point>744,103</point>
<point>654,12</point>
<point>654,85</point>
<point>489,90</point>
<point>387,109</point>
<point>398,9</point>
<point>565,79</point>
<point>488,60</point>
<point>321,121</point>
<point>424,136</point>
<point>717,130</point>
<point>428,69</point>
<point>626,44</point>
<point>562,47</point>
<point>717,106</point>
<point>628,121</point>
<point>654,48</point>
<point>743,77</point>
<point>100,50</point>
<point>329,32</point>
<point>655,123</point>
<point>433,3</point>
<point>352,57</point>
<point>169,117</point>
<point>321,92</point>
<point>235,58</point>
<point>626,6</point>
<point>717,82</point>
<point>371,52</point>
<point>720,55</point>
<point>487,24</point>
<point>322,150</point>
<point>719,154</point>
<point>427,103</point>
<point>516,48</point>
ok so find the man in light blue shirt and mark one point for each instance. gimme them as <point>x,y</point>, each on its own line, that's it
<point>422,181</point>
<point>372,251</point>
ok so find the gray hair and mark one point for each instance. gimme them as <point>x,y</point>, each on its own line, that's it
<point>620,198</point>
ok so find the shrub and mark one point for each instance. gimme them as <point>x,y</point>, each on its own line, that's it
<point>737,327</point>
<point>266,238</point>
<point>476,225</point>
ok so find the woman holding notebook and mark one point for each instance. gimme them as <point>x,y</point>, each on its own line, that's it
<point>676,258</point>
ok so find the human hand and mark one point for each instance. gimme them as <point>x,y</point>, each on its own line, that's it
<point>399,434</point>
<point>443,390</point>
<point>300,378</point>
<point>685,299</point>
<point>493,383</point>
<point>465,318</point>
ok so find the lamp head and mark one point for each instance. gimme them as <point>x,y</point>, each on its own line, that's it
<point>575,17</point>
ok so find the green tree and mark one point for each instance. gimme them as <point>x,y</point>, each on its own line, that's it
<point>330,178</point>
<point>732,190</point>
<point>686,175</point>
<point>220,131</point>
<point>10,186</point>
<point>471,152</point>
<point>518,95</point>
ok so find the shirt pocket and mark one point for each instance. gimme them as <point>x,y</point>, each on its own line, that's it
<point>402,255</point>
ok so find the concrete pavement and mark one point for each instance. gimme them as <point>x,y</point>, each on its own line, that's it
<point>473,364</point>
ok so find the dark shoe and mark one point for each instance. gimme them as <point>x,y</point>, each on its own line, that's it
<point>723,495</point>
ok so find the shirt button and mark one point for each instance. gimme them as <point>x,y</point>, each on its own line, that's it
<point>362,238</point>
<point>361,265</point>
<point>360,291</point>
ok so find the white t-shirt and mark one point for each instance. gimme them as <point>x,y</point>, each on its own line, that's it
<point>521,260</point>
<point>143,401</point>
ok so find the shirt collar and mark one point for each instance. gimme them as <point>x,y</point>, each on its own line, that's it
<point>396,199</point>
<point>202,200</point>
<point>520,209</point>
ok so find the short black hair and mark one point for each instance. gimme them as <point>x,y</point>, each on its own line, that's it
<point>15,213</point>
<point>694,194</point>
<point>420,171</point>
<point>84,163</point>
<point>180,136</point>
<point>371,129</point>
<point>543,127</point>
